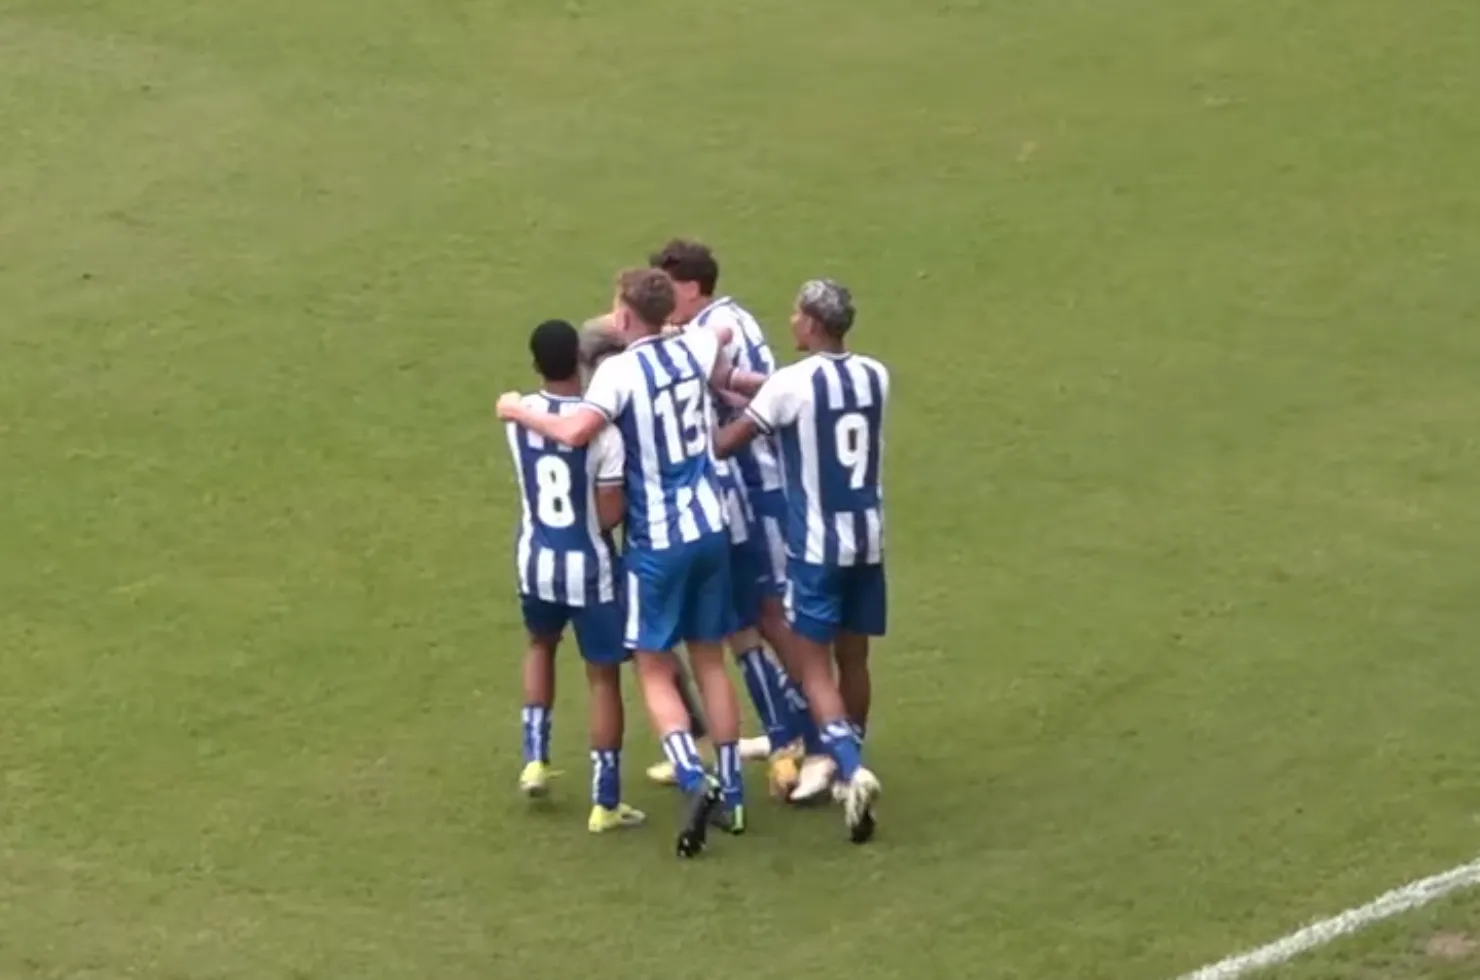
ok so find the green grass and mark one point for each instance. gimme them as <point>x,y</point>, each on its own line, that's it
<point>1181,308</point>
<point>1434,943</point>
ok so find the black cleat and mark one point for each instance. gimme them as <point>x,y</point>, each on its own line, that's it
<point>730,819</point>
<point>702,804</point>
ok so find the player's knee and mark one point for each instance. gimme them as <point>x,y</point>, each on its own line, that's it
<point>543,646</point>
<point>604,680</point>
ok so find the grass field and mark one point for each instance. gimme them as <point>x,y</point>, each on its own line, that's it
<point>1182,309</point>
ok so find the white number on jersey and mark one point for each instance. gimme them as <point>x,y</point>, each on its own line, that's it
<point>680,409</point>
<point>552,480</point>
<point>851,436</point>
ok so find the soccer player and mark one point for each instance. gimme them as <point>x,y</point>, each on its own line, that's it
<point>757,510</point>
<point>828,410</point>
<point>569,572</point>
<point>656,392</point>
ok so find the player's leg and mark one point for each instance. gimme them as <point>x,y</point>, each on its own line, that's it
<point>815,610</point>
<point>599,632</point>
<point>765,679</point>
<point>774,627</point>
<point>545,621</point>
<point>707,619</point>
<point>865,615</point>
<point>662,772</point>
<point>815,773</point>
<point>655,595</point>
<point>850,650</point>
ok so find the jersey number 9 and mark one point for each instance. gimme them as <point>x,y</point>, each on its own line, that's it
<point>852,439</point>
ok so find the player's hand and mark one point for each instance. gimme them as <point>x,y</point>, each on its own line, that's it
<point>508,405</point>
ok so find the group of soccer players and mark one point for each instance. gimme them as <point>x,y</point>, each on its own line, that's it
<point>750,506</point>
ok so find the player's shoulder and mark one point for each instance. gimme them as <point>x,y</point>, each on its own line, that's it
<point>873,364</point>
<point>703,342</point>
<point>723,312</point>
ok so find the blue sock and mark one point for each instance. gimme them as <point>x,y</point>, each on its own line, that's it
<point>684,754</point>
<point>763,681</point>
<point>860,731</point>
<point>535,719</point>
<point>802,722</point>
<point>843,746</point>
<point>606,777</point>
<point>729,773</point>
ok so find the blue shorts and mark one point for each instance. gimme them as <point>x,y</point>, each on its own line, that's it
<point>825,600</point>
<point>598,628</point>
<point>681,594</point>
<point>750,579</point>
<point>770,519</point>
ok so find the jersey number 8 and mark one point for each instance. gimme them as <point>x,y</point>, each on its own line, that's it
<point>552,492</point>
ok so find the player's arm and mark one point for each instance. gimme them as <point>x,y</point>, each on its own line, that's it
<point>725,376</point>
<point>574,430</point>
<point>773,406</point>
<point>735,436</point>
<point>610,455</point>
<point>611,505</point>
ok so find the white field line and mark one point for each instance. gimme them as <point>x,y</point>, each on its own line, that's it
<point>1410,896</point>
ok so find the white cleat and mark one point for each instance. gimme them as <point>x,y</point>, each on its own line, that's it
<point>755,749</point>
<point>815,779</point>
<point>859,796</point>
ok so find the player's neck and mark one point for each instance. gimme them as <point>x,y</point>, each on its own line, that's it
<point>833,349</point>
<point>701,303</point>
<point>563,389</point>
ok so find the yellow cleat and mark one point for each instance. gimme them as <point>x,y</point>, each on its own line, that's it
<point>534,781</point>
<point>623,816</point>
<point>662,773</point>
<point>783,773</point>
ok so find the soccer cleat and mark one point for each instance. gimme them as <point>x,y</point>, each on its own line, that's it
<point>782,775</point>
<point>662,773</point>
<point>701,806</point>
<point>730,819</point>
<point>859,796</point>
<point>534,781</point>
<point>815,778</point>
<point>755,749</point>
<point>604,819</point>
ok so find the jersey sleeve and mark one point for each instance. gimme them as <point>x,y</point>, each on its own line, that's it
<point>778,403</point>
<point>608,391</point>
<point>704,345</point>
<point>725,316</point>
<point>609,455</point>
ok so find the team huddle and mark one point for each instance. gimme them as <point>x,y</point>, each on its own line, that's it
<point>751,514</point>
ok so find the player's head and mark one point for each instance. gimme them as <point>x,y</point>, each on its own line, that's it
<point>643,303</point>
<point>599,340</point>
<point>694,271</point>
<point>823,315</point>
<point>556,348</point>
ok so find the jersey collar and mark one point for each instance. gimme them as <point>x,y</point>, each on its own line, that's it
<point>716,302</point>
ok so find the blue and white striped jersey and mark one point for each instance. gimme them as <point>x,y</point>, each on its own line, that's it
<point>739,517</point>
<point>759,462</point>
<point>656,393</point>
<point>828,412</point>
<point>562,553</point>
